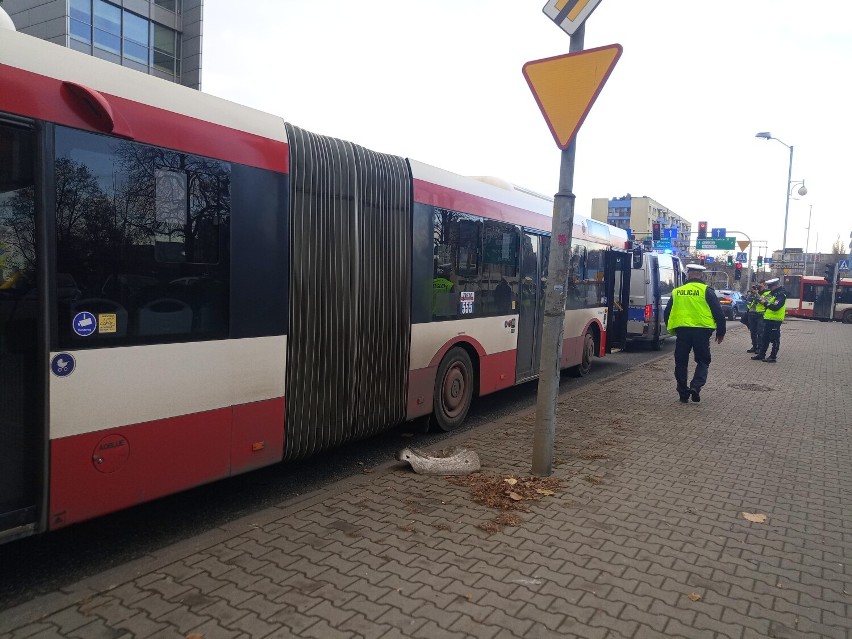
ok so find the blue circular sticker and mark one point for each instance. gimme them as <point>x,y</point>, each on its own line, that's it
<point>62,364</point>
<point>85,324</point>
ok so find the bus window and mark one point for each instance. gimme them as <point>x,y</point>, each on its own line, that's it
<point>144,234</point>
<point>792,285</point>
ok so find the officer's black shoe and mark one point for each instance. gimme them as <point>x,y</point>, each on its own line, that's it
<point>695,394</point>
<point>770,360</point>
<point>684,396</point>
<point>760,357</point>
<point>752,350</point>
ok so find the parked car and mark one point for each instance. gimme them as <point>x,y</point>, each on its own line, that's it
<point>733,303</point>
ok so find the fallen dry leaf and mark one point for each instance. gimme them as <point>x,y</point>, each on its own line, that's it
<point>493,490</point>
<point>755,517</point>
<point>543,491</point>
<point>694,596</point>
<point>515,497</point>
<point>511,481</point>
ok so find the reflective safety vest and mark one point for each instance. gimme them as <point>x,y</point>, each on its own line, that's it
<point>778,315</point>
<point>758,305</point>
<point>690,307</point>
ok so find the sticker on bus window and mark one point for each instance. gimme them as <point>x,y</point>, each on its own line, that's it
<point>62,365</point>
<point>107,323</point>
<point>84,324</point>
<point>466,302</point>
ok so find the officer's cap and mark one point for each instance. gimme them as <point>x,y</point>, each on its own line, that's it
<point>695,267</point>
<point>773,281</point>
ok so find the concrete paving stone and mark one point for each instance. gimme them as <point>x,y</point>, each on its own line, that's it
<point>28,631</point>
<point>401,621</point>
<point>213,630</point>
<point>68,619</point>
<point>829,632</point>
<point>643,618</point>
<point>471,628</point>
<point>184,620</point>
<point>98,629</point>
<point>154,605</point>
<point>141,625</point>
<point>301,602</point>
<point>732,616</point>
<point>224,612</point>
<point>360,626</point>
<point>293,621</point>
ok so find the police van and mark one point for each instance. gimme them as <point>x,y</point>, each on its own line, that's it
<point>653,278</point>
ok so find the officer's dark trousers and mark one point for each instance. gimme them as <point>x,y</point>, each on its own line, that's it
<point>755,327</point>
<point>692,339</point>
<point>771,336</point>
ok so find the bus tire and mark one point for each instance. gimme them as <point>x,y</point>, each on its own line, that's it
<point>585,366</point>
<point>453,389</point>
<point>847,316</point>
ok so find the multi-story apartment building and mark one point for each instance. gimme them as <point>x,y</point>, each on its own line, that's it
<point>158,37</point>
<point>639,214</point>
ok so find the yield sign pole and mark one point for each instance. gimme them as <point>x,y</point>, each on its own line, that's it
<point>565,88</point>
<point>554,302</point>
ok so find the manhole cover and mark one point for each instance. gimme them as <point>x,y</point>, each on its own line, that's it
<point>750,387</point>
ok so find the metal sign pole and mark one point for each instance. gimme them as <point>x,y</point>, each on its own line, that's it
<point>554,302</point>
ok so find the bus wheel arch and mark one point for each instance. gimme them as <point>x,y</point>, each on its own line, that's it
<point>591,346</point>
<point>847,316</point>
<point>455,386</point>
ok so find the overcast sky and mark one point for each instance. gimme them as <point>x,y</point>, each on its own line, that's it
<point>440,81</point>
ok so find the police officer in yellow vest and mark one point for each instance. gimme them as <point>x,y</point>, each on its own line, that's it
<point>776,309</point>
<point>692,314</point>
<point>756,309</point>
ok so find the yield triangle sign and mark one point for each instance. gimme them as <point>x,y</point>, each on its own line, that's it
<point>567,86</point>
<point>743,244</point>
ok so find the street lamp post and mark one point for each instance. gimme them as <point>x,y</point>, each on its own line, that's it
<point>765,135</point>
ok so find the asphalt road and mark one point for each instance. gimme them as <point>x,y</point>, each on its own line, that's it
<point>43,564</point>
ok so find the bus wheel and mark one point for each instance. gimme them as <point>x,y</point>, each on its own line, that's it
<point>585,366</point>
<point>453,389</point>
<point>847,316</point>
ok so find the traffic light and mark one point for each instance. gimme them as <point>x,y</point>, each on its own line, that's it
<point>701,260</point>
<point>730,260</point>
<point>738,274</point>
<point>759,261</point>
<point>829,272</point>
<point>655,231</point>
<point>702,230</point>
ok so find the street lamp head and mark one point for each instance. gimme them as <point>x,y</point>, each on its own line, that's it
<point>766,135</point>
<point>802,190</point>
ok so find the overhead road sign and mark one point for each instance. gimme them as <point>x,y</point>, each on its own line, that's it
<point>570,14</point>
<point>567,86</point>
<point>717,233</point>
<point>717,244</point>
<point>742,257</point>
<point>743,244</point>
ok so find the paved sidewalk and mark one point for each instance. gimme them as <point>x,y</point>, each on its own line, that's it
<point>645,536</point>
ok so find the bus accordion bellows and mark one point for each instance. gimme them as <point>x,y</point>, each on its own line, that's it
<point>192,289</point>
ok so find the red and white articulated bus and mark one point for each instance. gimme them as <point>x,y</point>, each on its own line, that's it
<point>810,296</point>
<point>191,289</point>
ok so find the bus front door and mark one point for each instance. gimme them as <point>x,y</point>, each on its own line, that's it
<point>618,268</point>
<point>20,439</point>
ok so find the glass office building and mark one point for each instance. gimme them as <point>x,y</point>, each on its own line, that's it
<point>159,37</point>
